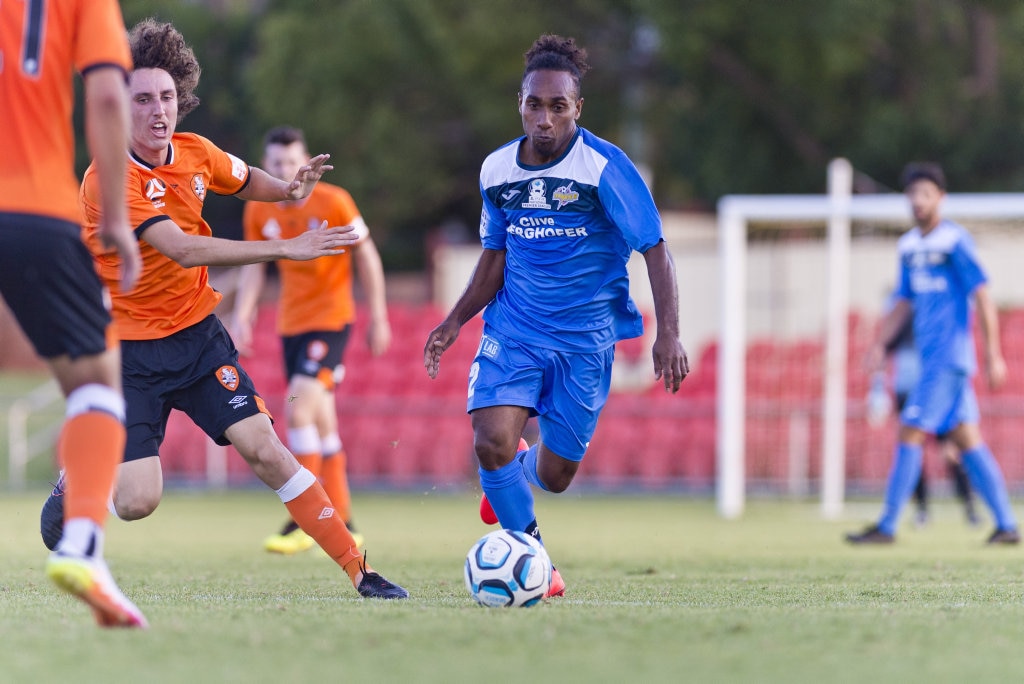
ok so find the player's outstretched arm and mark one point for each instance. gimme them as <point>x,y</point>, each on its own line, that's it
<point>487,279</point>
<point>263,187</point>
<point>670,361</point>
<point>106,131</point>
<point>199,250</point>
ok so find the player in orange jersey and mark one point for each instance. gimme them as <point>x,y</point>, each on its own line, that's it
<point>315,316</point>
<point>175,352</point>
<point>46,274</point>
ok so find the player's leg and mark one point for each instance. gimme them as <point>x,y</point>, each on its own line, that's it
<point>306,501</point>
<point>224,403</point>
<point>334,470</point>
<point>48,280</point>
<point>987,478</point>
<point>961,485</point>
<point>139,489</point>
<point>496,431</point>
<point>304,444</point>
<point>921,499</point>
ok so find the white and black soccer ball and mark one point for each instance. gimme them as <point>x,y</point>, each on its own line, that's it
<point>506,568</point>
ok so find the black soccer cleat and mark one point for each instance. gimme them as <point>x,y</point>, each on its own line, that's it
<point>374,585</point>
<point>1010,536</point>
<point>51,518</point>
<point>871,535</point>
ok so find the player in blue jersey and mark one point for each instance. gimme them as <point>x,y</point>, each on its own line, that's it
<point>562,212</point>
<point>939,278</point>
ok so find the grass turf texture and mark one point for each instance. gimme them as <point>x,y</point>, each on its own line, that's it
<point>658,590</point>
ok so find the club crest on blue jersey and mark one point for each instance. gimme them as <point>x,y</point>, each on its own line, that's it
<point>538,195</point>
<point>564,195</point>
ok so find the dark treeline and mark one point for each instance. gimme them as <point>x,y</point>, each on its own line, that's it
<point>714,96</point>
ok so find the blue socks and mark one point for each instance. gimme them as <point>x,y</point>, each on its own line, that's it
<point>529,460</point>
<point>906,471</point>
<point>510,495</point>
<point>987,479</point>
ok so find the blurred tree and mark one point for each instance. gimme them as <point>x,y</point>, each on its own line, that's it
<point>713,97</point>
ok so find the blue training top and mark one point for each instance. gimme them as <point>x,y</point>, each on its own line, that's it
<point>938,274</point>
<point>568,229</point>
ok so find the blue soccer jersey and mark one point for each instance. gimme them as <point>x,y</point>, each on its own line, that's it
<point>568,229</point>
<point>938,274</point>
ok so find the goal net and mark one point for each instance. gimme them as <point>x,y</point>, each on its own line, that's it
<point>804,280</point>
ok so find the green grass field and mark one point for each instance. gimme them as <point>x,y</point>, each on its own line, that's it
<point>659,589</point>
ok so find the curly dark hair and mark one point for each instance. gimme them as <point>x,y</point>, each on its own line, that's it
<point>157,45</point>
<point>555,53</point>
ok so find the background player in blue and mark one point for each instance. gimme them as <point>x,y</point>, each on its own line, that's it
<point>939,276</point>
<point>563,211</point>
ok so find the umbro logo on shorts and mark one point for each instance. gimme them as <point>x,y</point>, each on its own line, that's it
<point>238,401</point>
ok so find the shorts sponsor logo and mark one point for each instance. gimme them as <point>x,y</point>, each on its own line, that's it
<point>326,513</point>
<point>489,346</point>
<point>199,186</point>
<point>238,401</point>
<point>155,191</point>
<point>228,377</point>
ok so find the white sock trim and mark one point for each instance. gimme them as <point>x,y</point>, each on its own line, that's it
<point>304,440</point>
<point>330,445</point>
<point>299,482</point>
<point>95,397</point>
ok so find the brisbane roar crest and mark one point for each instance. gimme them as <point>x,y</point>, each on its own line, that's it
<point>228,377</point>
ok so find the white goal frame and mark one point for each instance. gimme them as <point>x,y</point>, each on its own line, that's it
<point>838,208</point>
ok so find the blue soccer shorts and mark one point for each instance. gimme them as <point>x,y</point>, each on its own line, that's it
<point>565,390</point>
<point>196,371</point>
<point>942,399</point>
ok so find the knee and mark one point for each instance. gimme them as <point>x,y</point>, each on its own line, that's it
<point>492,453</point>
<point>135,505</point>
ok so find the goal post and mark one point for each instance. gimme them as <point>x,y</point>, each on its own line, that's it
<point>836,210</point>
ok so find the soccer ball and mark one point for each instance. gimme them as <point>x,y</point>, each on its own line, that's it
<point>507,568</point>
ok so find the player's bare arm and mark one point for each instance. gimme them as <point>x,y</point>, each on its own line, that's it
<point>988,322</point>
<point>247,294</point>
<point>670,361</point>
<point>263,187</point>
<point>487,279</point>
<point>198,250</point>
<point>370,270</point>
<point>106,130</point>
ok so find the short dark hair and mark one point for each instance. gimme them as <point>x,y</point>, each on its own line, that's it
<point>284,135</point>
<point>555,53</point>
<point>915,171</point>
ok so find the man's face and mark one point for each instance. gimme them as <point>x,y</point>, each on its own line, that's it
<point>284,161</point>
<point>549,107</point>
<point>925,198</point>
<point>154,110</point>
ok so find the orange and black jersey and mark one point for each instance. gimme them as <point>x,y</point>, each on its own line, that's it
<point>315,295</point>
<point>41,43</point>
<point>167,297</point>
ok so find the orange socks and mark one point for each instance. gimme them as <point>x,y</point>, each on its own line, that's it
<point>90,448</point>
<point>335,480</point>
<point>311,462</point>
<point>315,514</point>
